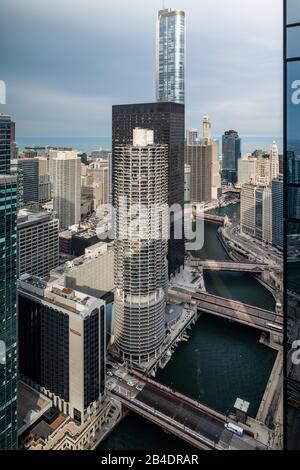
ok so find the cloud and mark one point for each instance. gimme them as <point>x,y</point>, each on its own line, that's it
<point>66,62</point>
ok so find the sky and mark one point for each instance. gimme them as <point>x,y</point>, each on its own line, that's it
<point>66,62</point>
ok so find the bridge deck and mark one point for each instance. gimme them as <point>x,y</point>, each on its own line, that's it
<point>243,313</point>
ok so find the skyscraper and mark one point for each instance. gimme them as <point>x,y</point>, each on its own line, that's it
<point>191,136</point>
<point>277,213</point>
<point>62,344</point>
<point>291,192</point>
<point>38,243</point>
<point>140,181</point>
<point>8,279</point>
<point>231,151</point>
<point>274,162</point>
<point>167,122</point>
<point>205,167</point>
<point>65,172</point>
<point>6,136</point>
<point>170,56</point>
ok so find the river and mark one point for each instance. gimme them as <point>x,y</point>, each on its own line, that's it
<point>220,362</point>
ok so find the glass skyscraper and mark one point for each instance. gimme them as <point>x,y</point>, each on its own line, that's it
<point>292,219</point>
<point>231,152</point>
<point>170,56</point>
<point>8,336</point>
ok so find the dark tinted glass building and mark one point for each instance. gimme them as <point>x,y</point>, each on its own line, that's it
<point>62,342</point>
<point>167,120</point>
<point>277,213</point>
<point>8,309</point>
<point>292,219</point>
<point>231,151</point>
<point>6,135</point>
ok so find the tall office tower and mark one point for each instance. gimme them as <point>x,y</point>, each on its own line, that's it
<point>274,162</point>
<point>62,344</point>
<point>141,181</point>
<point>38,243</point>
<point>65,173</point>
<point>170,56</point>
<point>8,336</point>
<point>206,126</point>
<point>267,232</point>
<point>258,229</point>
<point>263,170</point>
<point>205,167</point>
<point>167,122</point>
<point>231,152</point>
<point>8,309</point>
<point>291,122</point>
<point>277,213</point>
<point>191,137</point>
<point>247,171</point>
<point>6,130</point>
<point>30,172</point>
<point>101,179</point>
<point>248,201</point>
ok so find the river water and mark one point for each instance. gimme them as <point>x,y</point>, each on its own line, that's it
<point>220,362</point>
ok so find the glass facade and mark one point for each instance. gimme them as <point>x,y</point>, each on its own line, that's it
<point>259,213</point>
<point>231,153</point>
<point>292,219</point>
<point>8,338</point>
<point>5,143</point>
<point>170,56</point>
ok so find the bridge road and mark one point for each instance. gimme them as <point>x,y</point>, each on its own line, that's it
<point>195,419</point>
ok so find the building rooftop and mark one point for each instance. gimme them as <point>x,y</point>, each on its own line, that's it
<point>31,406</point>
<point>27,217</point>
<point>49,290</point>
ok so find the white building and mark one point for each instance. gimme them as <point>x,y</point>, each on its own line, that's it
<point>246,171</point>
<point>65,171</point>
<point>92,273</point>
<point>267,215</point>
<point>274,162</point>
<point>248,199</point>
<point>141,176</point>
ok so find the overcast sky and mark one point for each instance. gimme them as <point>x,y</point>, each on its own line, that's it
<point>65,62</point>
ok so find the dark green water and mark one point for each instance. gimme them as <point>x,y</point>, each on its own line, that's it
<point>220,362</point>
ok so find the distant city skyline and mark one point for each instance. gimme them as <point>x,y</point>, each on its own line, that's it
<point>56,88</point>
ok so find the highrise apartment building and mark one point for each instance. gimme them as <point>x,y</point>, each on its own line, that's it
<point>62,345</point>
<point>205,167</point>
<point>231,153</point>
<point>167,122</point>
<point>170,56</point>
<point>38,243</point>
<point>65,173</point>
<point>140,181</point>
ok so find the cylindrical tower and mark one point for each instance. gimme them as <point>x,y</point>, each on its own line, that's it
<point>140,194</point>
